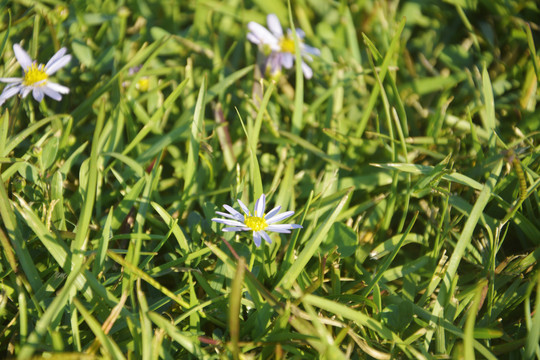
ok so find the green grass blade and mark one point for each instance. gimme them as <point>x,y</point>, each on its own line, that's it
<point>468,334</point>
<point>90,191</point>
<point>54,245</point>
<point>235,298</point>
<point>53,311</point>
<point>146,325</point>
<point>297,140</point>
<point>488,118</point>
<point>255,171</point>
<point>141,274</point>
<point>158,114</point>
<point>348,313</point>
<point>17,240</point>
<point>465,240</point>
<point>533,335</point>
<point>146,51</point>
<point>4,129</point>
<point>108,344</point>
<point>20,137</point>
<point>176,230</point>
<point>186,340</point>
<point>312,246</point>
<point>103,245</point>
<point>389,259</point>
<point>532,51</point>
<point>197,133</point>
<point>297,117</point>
<point>382,73</point>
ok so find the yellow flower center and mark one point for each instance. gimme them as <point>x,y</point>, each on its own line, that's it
<point>255,223</point>
<point>287,44</point>
<point>34,75</point>
<point>143,84</point>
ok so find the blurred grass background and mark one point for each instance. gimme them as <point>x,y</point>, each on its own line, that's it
<point>411,159</point>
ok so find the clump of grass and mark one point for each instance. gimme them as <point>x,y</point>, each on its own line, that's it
<point>410,159</point>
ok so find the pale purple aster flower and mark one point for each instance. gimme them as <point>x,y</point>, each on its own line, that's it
<point>280,47</point>
<point>36,77</point>
<point>259,222</point>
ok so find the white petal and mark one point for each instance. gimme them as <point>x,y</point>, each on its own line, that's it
<point>58,88</point>
<point>229,222</point>
<point>253,39</point>
<point>233,212</point>
<point>308,73</point>
<point>257,238</point>
<point>229,216</point>
<point>9,92</point>
<point>265,237</point>
<point>280,217</point>
<point>274,25</point>
<point>307,57</point>
<point>25,90</point>
<point>236,228</point>
<point>56,56</point>
<point>38,94</point>
<point>262,33</point>
<point>300,33</point>
<point>312,50</point>
<point>260,206</point>
<point>22,56</point>
<point>57,65</point>
<point>287,60</point>
<point>51,93</point>
<point>274,62</point>
<point>244,207</point>
<point>272,212</point>
<point>283,227</point>
<point>278,230</point>
<point>11,80</point>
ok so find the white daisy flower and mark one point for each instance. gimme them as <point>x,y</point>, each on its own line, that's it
<point>280,48</point>
<point>36,77</point>
<point>258,223</point>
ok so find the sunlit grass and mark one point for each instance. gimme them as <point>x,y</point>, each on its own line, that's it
<point>410,159</point>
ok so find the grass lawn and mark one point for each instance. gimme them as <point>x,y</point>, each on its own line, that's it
<point>195,180</point>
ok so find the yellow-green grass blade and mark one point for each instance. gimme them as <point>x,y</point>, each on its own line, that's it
<point>488,118</point>
<point>298,111</point>
<point>89,194</point>
<point>146,325</point>
<point>235,297</point>
<point>195,137</point>
<point>255,171</point>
